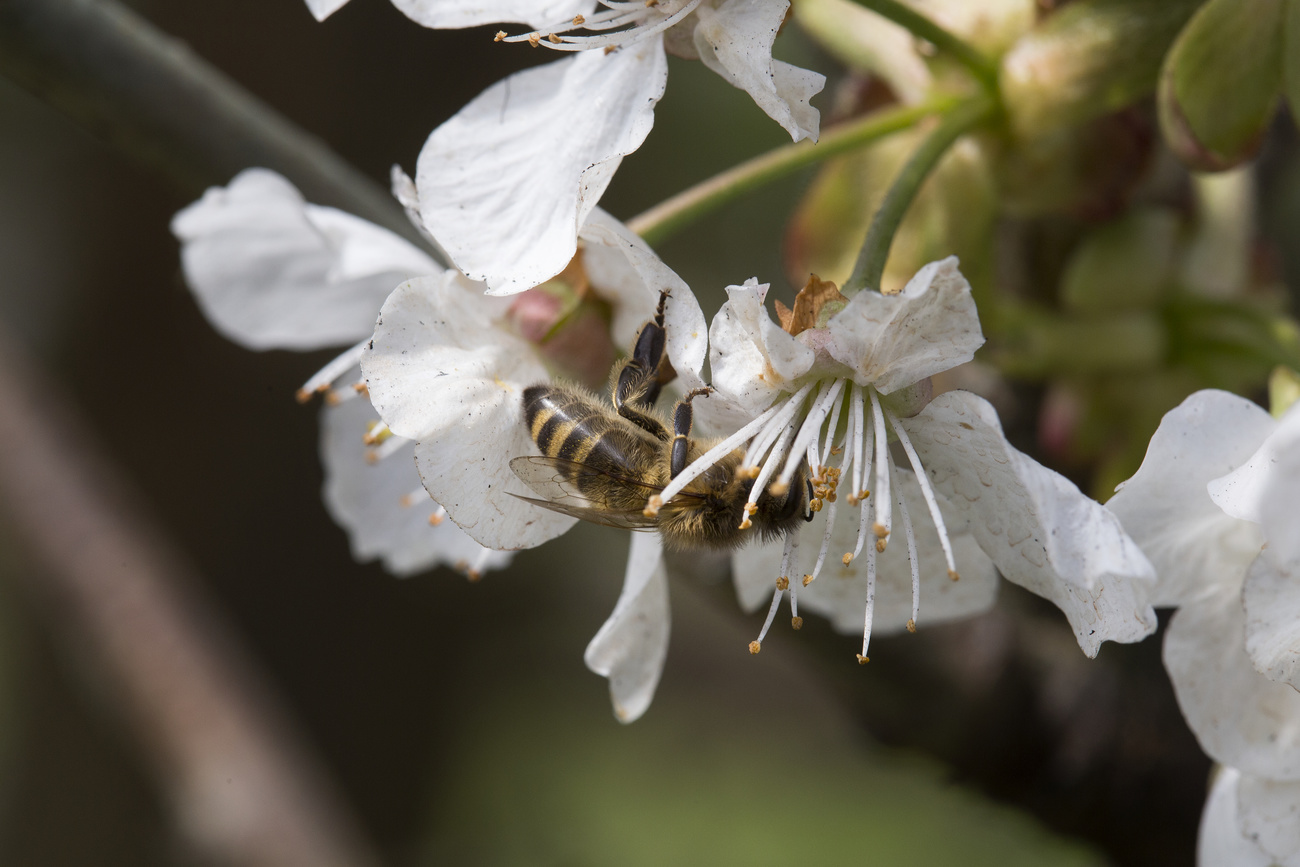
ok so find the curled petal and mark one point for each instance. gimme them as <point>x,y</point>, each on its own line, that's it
<point>372,501</point>
<point>1166,508</point>
<point>1040,531</point>
<point>752,360</point>
<point>1221,842</point>
<point>1240,716</point>
<point>1242,493</point>
<point>1269,814</point>
<point>631,646</point>
<point>840,591</point>
<point>625,272</point>
<point>271,271</point>
<point>735,41</point>
<point>1272,598</point>
<point>451,14</point>
<point>507,182</point>
<point>893,341</point>
<point>1281,495</point>
<point>441,373</point>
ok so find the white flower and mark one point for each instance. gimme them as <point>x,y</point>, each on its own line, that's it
<point>507,183</point>
<point>1214,506</point>
<point>830,388</point>
<point>448,367</point>
<point>272,271</point>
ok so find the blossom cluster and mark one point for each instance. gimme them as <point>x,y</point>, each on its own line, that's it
<point>915,501</point>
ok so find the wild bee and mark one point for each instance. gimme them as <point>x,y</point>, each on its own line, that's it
<point>602,464</point>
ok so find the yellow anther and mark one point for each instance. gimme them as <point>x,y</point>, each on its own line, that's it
<point>783,583</point>
<point>652,506</point>
<point>332,399</point>
<point>796,623</point>
<point>746,524</point>
<point>911,625</point>
<point>361,388</point>
<point>553,39</point>
<point>778,488</point>
<point>952,573</point>
<point>578,21</point>
<point>807,579</point>
<point>436,518</point>
<point>748,472</point>
<point>880,545</point>
<point>755,647</point>
<point>848,558</point>
<point>473,575</point>
<point>880,530</point>
<point>534,39</point>
<point>863,660</point>
<point>407,501</point>
<point>815,505</point>
<point>501,34</point>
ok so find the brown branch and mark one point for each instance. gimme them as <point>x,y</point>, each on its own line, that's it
<point>242,788</point>
<point>128,82</point>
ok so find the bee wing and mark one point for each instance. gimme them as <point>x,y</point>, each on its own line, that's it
<point>625,520</point>
<point>554,479</point>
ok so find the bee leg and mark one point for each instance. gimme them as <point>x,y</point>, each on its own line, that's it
<point>636,388</point>
<point>683,415</point>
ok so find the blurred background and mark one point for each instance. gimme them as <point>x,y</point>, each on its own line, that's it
<point>455,722</point>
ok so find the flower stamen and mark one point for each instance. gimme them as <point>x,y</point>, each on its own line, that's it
<point>323,379</point>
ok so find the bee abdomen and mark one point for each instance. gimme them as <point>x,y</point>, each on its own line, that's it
<point>568,425</point>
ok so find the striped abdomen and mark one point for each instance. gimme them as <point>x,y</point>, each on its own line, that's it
<point>572,426</point>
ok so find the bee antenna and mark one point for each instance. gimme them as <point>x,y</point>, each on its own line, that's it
<point>808,515</point>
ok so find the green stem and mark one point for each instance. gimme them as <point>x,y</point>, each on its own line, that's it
<point>671,215</point>
<point>984,69</point>
<point>875,249</point>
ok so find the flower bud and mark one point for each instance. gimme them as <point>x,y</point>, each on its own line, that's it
<point>1090,58</point>
<point>1123,265</point>
<point>1220,82</point>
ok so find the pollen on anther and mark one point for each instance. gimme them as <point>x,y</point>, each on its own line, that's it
<point>553,39</point>
<point>880,530</point>
<point>501,34</point>
<point>863,660</point>
<point>911,625</point>
<point>578,21</point>
<point>652,506</point>
<point>880,545</point>
<point>473,575</point>
<point>407,501</point>
<point>332,399</point>
<point>783,583</point>
<point>610,49</point>
<point>808,579</point>
<point>534,39</point>
<point>746,524</point>
<point>778,488</point>
<point>796,623</point>
<point>755,647</point>
<point>847,558</point>
<point>361,388</point>
<point>952,573</point>
<point>437,518</point>
<point>814,505</point>
<point>303,395</point>
<point>748,472</point>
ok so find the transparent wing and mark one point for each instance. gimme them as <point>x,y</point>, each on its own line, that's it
<point>624,520</point>
<point>557,480</point>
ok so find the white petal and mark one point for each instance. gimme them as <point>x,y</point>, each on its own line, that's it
<point>735,41</point>
<point>1272,599</point>
<point>451,14</point>
<point>440,373</point>
<point>751,359</point>
<point>371,501</point>
<point>1240,716</point>
<point>840,592</point>
<point>1221,842</point>
<point>1166,508</point>
<point>625,272</point>
<point>1041,532</point>
<point>323,9</point>
<point>271,271</point>
<point>631,646</point>
<point>1269,812</point>
<point>1241,493</point>
<point>1281,496</point>
<point>893,341</point>
<point>506,183</point>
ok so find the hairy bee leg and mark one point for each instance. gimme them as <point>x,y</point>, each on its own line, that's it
<point>683,415</point>
<point>638,383</point>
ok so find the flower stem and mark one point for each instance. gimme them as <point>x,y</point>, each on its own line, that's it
<point>875,249</point>
<point>984,69</point>
<point>671,215</point>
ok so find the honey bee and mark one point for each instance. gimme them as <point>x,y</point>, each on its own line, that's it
<point>602,463</point>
